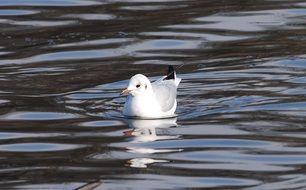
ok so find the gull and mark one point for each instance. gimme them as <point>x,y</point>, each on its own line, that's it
<point>151,100</point>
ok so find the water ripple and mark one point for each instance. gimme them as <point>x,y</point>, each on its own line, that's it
<point>36,147</point>
<point>16,12</point>
<point>160,181</point>
<point>60,3</point>
<point>38,116</point>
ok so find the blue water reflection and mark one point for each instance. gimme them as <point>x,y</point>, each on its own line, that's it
<point>37,147</point>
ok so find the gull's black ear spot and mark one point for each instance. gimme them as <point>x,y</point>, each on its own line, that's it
<point>146,86</point>
<point>170,73</point>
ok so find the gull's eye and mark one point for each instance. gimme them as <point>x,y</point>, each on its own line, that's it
<point>138,85</point>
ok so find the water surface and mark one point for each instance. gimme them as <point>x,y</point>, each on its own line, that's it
<point>241,103</point>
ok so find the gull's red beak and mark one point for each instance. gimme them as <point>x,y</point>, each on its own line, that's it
<point>125,91</point>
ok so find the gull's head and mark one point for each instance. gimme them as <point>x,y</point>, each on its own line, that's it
<point>139,84</point>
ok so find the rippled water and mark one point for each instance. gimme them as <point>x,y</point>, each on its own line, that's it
<point>241,103</point>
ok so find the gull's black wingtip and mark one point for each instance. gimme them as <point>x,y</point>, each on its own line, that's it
<point>170,73</point>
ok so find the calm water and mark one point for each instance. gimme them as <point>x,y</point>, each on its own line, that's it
<point>241,103</point>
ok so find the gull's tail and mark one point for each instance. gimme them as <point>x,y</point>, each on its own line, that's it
<point>171,75</point>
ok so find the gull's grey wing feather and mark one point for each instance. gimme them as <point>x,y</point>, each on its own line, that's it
<point>165,92</point>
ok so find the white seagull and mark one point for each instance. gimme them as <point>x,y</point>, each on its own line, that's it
<point>151,100</point>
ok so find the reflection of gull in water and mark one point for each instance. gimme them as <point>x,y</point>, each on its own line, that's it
<point>145,131</point>
<point>143,162</point>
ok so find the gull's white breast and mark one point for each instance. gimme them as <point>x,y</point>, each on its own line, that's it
<point>146,106</point>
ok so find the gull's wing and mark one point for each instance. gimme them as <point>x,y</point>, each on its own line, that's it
<point>165,93</point>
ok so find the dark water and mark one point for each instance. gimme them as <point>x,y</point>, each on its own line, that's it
<point>241,103</point>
